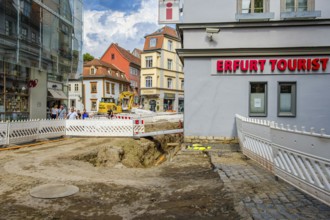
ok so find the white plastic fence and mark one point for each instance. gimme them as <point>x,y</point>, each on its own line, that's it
<point>16,132</point>
<point>167,118</point>
<point>298,157</point>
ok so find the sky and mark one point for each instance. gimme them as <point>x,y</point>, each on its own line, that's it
<point>125,22</point>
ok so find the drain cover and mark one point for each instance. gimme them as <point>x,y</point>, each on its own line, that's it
<point>51,191</point>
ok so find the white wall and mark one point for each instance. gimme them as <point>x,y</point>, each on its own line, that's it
<point>38,95</point>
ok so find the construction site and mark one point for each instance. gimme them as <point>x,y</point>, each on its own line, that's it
<point>156,177</point>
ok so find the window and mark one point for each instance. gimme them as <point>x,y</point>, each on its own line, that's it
<point>121,88</point>
<point>93,104</point>
<point>182,84</point>
<point>76,87</point>
<point>9,28</point>
<point>295,5</point>
<point>24,32</point>
<point>93,87</point>
<point>153,42</point>
<point>252,6</point>
<point>134,84</point>
<point>73,103</point>
<point>69,87</point>
<point>112,88</point>
<point>148,82</point>
<point>169,45</point>
<point>169,64</point>
<point>258,99</point>
<point>112,56</point>
<point>148,62</point>
<point>169,83</point>
<point>92,71</point>
<point>287,99</point>
<point>107,87</point>
<point>134,71</point>
<point>33,37</point>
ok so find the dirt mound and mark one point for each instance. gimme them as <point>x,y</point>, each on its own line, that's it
<point>159,126</point>
<point>131,153</point>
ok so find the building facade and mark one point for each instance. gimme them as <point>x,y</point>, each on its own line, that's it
<point>75,94</point>
<point>128,63</point>
<point>266,59</point>
<point>102,80</point>
<point>162,78</point>
<point>40,44</point>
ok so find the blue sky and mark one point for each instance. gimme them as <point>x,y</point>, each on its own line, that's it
<point>125,22</point>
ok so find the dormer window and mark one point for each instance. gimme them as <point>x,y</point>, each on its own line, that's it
<point>92,70</point>
<point>152,42</point>
<point>112,56</point>
<point>117,74</point>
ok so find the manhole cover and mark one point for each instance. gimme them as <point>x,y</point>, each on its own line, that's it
<point>51,191</point>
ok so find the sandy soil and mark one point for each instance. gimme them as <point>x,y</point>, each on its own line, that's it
<point>117,178</point>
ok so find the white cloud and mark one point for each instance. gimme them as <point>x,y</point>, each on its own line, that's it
<point>101,28</point>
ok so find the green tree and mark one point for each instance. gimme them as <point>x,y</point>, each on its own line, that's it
<point>88,57</point>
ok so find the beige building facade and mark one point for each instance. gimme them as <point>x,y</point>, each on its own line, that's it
<point>162,78</point>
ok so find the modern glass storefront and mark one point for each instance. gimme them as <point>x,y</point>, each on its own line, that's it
<point>40,45</point>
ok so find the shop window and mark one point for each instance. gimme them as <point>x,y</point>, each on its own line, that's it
<point>93,87</point>
<point>76,87</point>
<point>148,82</point>
<point>169,83</point>
<point>258,99</point>
<point>287,99</point>
<point>148,62</point>
<point>93,105</point>
<point>73,103</point>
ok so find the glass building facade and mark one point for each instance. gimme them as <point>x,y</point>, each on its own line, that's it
<point>40,47</point>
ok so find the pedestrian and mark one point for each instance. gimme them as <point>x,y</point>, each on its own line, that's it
<point>72,115</point>
<point>110,113</point>
<point>84,114</point>
<point>54,112</point>
<point>61,112</point>
<point>79,114</point>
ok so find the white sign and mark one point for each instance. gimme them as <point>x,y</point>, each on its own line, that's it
<point>169,12</point>
<point>257,103</point>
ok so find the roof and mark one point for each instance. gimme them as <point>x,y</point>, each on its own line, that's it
<point>159,36</point>
<point>126,54</point>
<point>103,70</point>
<point>166,30</point>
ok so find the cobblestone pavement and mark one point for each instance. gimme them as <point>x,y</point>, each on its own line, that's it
<point>256,193</point>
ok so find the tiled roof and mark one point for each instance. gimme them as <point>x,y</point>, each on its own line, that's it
<point>128,56</point>
<point>166,30</point>
<point>103,70</point>
<point>159,35</point>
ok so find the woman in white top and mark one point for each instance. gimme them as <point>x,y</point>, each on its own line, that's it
<point>54,112</point>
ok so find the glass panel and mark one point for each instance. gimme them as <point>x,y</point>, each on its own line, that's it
<point>285,102</point>
<point>258,99</point>
<point>289,5</point>
<point>258,6</point>
<point>246,6</point>
<point>302,5</point>
<point>286,99</point>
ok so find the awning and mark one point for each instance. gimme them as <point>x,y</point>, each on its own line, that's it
<point>57,94</point>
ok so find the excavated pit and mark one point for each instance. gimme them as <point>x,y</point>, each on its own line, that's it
<point>130,153</point>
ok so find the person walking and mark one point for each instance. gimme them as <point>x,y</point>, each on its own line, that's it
<point>54,112</point>
<point>62,112</point>
<point>72,115</point>
<point>84,114</point>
